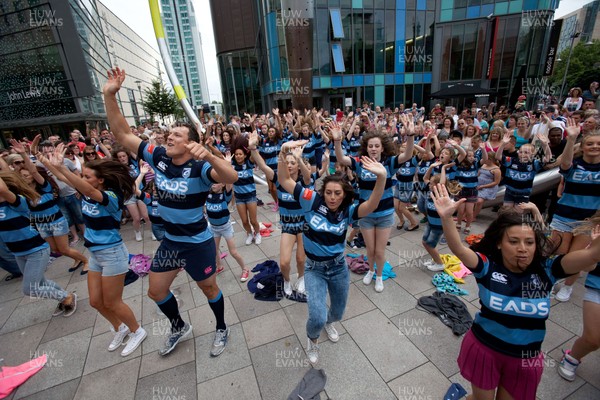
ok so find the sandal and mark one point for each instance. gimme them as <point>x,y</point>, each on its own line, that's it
<point>10,277</point>
<point>76,267</point>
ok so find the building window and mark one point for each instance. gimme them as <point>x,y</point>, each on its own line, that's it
<point>336,23</point>
<point>338,57</point>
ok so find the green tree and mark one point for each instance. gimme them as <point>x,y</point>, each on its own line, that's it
<point>160,102</point>
<point>584,67</point>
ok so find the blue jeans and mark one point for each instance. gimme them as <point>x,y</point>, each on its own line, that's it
<point>35,284</point>
<point>7,260</point>
<point>319,277</point>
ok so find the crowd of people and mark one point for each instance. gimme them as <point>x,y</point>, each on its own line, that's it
<point>368,171</point>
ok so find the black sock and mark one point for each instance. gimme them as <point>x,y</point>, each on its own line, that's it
<point>217,305</point>
<point>169,307</point>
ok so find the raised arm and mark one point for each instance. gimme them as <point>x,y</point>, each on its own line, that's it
<point>222,171</point>
<point>283,175</point>
<point>378,169</point>
<point>573,132</point>
<point>505,141</point>
<point>409,127</point>
<point>462,153</point>
<point>258,160</point>
<point>586,259</point>
<point>116,120</point>
<point>336,134</point>
<point>29,166</point>
<point>445,207</point>
<point>304,169</point>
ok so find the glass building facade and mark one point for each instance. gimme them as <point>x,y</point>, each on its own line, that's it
<point>390,52</point>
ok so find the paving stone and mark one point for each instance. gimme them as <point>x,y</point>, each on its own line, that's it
<point>391,357</point>
<point>84,317</point>
<point>66,358</point>
<point>234,357</point>
<point>59,392</point>
<point>6,309</point>
<point>122,377</point>
<point>82,289</point>
<point>29,314</point>
<point>424,382</point>
<point>279,366</point>
<point>413,279</point>
<point>392,301</point>
<point>19,346</point>
<point>434,339</point>
<point>239,385</point>
<point>569,316</point>
<point>350,375</point>
<point>588,370</point>
<point>552,386</point>
<point>203,319</point>
<point>357,303</point>
<point>249,254</point>
<point>267,328</point>
<point>177,383</point>
<point>99,357</point>
<point>152,362</point>
<point>297,315</point>
<point>135,303</point>
<point>556,335</point>
<point>246,307</point>
<point>134,289</point>
<point>586,392</point>
<point>228,282</point>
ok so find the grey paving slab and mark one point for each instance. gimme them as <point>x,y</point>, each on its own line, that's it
<point>391,353</point>
<point>122,377</point>
<point>552,386</point>
<point>84,317</point>
<point>297,315</point>
<point>59,392</point>
<point>423,382</point>
<point>19,346</point>
<point>246,307</point>
<point>198,295</point>
<point>66,358</point>
<point>177,383</point>
<point>153,363</point>
<point>588,369</point>
<point>350,375</point>
<point>357,303</point>
<point>81,288</point>
<point>250,255</point>
<point>6,309</point>
<point>135,303</point>
<point>239,385</point>
<point>279,366</point>
<point>98,356</point>
<point>29,314</point>
<point>556,335</point>
<point>229,282</point>
<point>412,278</point>
<point>267,328</point>
<point>569,316</point>
<point>434,339</point>
<point>392,301</point>
<point>134,289</point>
<point>586,392</point>
<point>203,319</point>
<point>234,357</point>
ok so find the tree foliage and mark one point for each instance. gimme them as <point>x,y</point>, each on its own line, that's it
<point>584,67</point>
<point>159,101</point>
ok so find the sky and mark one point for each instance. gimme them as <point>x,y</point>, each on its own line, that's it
<point>142,25</point>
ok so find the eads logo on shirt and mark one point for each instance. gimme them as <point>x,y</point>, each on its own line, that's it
<point>500,278</point>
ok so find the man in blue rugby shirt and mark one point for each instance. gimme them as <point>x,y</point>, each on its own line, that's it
<point>184,170</point>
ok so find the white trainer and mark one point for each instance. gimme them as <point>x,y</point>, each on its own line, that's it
<point>135,339</point>
<point>257,238</point>
<point>564,294</point>
<point>312,351</point>
<point>138,236</point>
<point>249,239</point>
<point>332,334</point>
<point>379,284</point>
<point>120,335</point>
<point>368,277</point>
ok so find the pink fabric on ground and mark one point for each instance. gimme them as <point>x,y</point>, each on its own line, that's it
<point>464,271</point>
<point>13,377</point>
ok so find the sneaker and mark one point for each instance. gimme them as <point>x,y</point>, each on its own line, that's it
<point>70,309</point>
<point>257,239</point>
<point>443,240</point>
<point>287,287</point>
<point>379,284</point>
<point>220,342</point>
<point>154,238</point>
<point>312,351</point>
<point>120,335</point>
<point>58,310</point>
<point>249,239</point>
<point>259,202</point>
<point>175,338</point>
<point>568,365</point>
<point>300,286</point>
<point>351,244</point>
<point>564,294</point>
<point>135,339</point>
<point>275,207</point>
<point>433,267</point>
<point>332,334</point>
<point>368,277</point>
<point>138,236</point>
<point>245,275</point>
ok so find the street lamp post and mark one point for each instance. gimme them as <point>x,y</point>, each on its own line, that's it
<point>230,58</point>
<point>574,36</point>
<point>142,99</point>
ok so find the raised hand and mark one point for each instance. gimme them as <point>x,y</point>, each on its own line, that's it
<point>145,168</point>
<point>444,205</point>
<point>198,151</point>
<point>297,152</point>
<point>506,137</point>
<point>17,146</point>
<point>116,77</point>
<point>57,158</point>
<point>373,166</point>
<point>335,131</point>
<point>275,112</point>
<point>228,157</point>
<point>35,144</point>
<point>572,129</point>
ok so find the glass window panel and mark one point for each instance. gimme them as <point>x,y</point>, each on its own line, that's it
<point>336,23</point>
<point>510,45</point>
<point>446,50</point>
<point>456,52</point>
<point>470,47</point>
<point>390,51</point>
<point>379,57</point>
<point>378,21</point>
<point>481,33</point>
<point>399,95</point>
<point>338,57</point>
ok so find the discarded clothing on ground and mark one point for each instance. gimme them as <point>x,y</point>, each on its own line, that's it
<point>267,284</point>
<point>449,309</point>
<point>310,387</point>
<point>446,283</point>
<point>12,377</point>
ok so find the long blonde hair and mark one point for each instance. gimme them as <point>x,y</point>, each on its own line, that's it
<point>19,186</point>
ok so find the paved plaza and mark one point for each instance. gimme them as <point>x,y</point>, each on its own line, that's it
<point>388,349</point>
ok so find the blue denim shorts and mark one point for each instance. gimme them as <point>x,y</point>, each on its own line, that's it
<point>561,225</point>
<point>225,230</point>
<point>432,236</point>
<point>50,229</point>
<point>247,200</point>
<point>386,221</point>
<point>110,262</point>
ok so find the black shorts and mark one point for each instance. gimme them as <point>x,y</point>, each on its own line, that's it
<point>468,193</point>
<point>198,259</point>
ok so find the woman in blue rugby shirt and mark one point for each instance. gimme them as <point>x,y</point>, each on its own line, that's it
<point>30,250</point>
<point>46,215</point>
<point>291,215</point>
<point>328,214</point>
<point>104,186</point>
<point>269,149</point>
<point>501,354</point>
<point>244,189</point>
<point>376,228</point>
<point>580,197</point>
